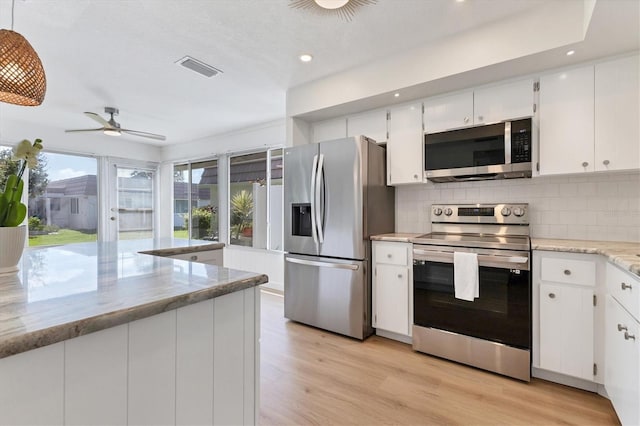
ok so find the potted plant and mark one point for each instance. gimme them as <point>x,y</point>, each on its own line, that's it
<point>12,210</point>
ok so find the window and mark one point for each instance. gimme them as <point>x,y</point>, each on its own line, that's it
<point>63,199</point>
<point>195,200</point>
<point>75,205</point>
<point>255,199</point>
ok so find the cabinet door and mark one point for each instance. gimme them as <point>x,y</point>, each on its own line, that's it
<point>329,130</point>
<point>404,148</point>
<point>617,112</point>
<point>448,112</point>
<point>566,330</point>
<point>566,122</point>
<point>622,360</point>
<point>372,124</point>
<point>392,298</point>
<point>503,102</point>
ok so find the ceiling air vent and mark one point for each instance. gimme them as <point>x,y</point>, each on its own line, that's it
<point>198,66</point>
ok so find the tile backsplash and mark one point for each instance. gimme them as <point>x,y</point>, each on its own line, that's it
<point>594,207</point>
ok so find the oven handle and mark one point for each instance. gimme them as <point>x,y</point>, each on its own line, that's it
<point>447,257</point>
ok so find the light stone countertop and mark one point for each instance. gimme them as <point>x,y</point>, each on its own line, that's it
<point>396,237</point>
<point>67,291</point>
<point>624,254</point>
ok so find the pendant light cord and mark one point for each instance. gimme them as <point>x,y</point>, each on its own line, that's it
<point>13,8</point>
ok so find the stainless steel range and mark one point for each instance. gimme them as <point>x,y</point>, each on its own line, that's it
<point>493,331</point>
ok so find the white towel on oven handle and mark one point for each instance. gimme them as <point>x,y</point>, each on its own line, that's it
<point>465,276</point>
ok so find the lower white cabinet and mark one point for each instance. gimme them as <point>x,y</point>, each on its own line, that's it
<point>565,308</point>
<point>392,283</point>
<point>198,364</point>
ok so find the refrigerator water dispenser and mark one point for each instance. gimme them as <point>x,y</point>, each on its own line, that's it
<point>301,219</point>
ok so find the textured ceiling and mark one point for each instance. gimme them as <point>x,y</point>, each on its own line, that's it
<point>121,53</point>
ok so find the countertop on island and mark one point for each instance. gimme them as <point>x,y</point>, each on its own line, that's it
<point>67,291</point>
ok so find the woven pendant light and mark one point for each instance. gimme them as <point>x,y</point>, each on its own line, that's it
<point>22,79</point>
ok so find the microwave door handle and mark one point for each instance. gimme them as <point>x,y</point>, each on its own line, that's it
<point>314,232</point>
<point>318,207</point>
<point>507,142</point>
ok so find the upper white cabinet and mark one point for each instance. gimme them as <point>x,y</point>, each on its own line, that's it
<point>590,118</point>
<point>617,114</point>
<point>566,121</point>
<point>372,124</point>
<point>327,130</point>
<point>483,105</point>
<point>503,102</point>
<point>448,112</point>
<point>405,146</point>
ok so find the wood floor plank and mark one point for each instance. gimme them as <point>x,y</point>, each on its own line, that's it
<point>313,377</point>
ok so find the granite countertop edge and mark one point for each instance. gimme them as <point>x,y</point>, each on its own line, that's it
<point>183,250</point>
<point>58,333</point>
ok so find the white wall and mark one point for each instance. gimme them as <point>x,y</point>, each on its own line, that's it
<point>590,207</point>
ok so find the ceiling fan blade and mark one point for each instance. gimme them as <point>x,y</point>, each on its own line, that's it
<point>144,134</point>
<point>99,119</point>
<point>84,130</point>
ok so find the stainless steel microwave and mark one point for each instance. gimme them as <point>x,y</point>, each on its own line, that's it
<point>492,151</point>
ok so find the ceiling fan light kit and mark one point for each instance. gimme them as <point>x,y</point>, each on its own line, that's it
<point>345,9</point>
<point>112,128</point>
<point>22,78</point>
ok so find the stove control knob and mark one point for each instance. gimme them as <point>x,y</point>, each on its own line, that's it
<point>437,211</point>
<point>518,211</point>
<point>448,211</point>
<point>506,211</point>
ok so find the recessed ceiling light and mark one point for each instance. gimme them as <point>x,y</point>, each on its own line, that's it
<point>459,1</point>
<point>571,52</point>
<point>396,95</point>
<point>306,57</point>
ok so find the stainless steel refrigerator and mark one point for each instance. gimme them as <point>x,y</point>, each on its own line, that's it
<point>335,198</point>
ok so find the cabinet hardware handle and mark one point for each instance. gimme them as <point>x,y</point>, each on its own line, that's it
<point>552,295</point>
<point>585,164</point>
<point>567,272</point>
<point>480,118</point>
<point>466,119</point>
<point>605,162</point>
<point>628,336</point>
<point>625,286</point>
<point>389,256</point>
<point>399,275</point>
<point>112,218</point>
<point>415,176</point>
<point>193,257</point>
<point>622,327</point>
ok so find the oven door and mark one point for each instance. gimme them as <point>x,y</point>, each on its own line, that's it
<point>501,314</point>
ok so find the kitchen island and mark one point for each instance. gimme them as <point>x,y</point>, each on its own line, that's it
<point>100,333</point>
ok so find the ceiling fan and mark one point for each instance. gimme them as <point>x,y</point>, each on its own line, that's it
<point>112,128</point>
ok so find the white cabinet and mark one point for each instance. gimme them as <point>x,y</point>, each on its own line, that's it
<point>617,114</point>
<point>589,118</point>
<point>567,121</point>
<point>565,285</point>
<point>622,362</point>
<point>210,257</point>
<point>502,102</point>
<point>327,130</point>
<point>488,104</point>
<point>392,284</point>
<point>405,162</point>
<point>448,112</point>
<point>372,124</point>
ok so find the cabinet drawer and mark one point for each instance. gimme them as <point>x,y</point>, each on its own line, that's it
<point>391,253</point>
<point>570,271</point>
<point>625,287</point>
<point>211,257</point>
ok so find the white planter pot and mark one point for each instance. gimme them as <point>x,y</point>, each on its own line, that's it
<point>11,246</point>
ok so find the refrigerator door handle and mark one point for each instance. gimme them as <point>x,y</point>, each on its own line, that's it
<point>314,231</point>
<point>318,209</point>
<point>323,264</point>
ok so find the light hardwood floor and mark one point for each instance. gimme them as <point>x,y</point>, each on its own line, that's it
<point>310,376</point>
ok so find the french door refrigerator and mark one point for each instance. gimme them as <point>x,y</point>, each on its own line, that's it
<point>335,198</point>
